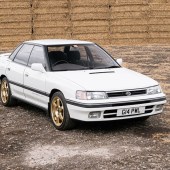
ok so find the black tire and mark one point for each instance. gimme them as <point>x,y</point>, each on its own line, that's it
<point>66,123</point>
<point>10,101</point>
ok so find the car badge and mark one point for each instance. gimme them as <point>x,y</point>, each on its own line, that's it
<point>128,93</point>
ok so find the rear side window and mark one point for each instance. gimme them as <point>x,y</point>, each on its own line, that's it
<point>12,56</point>
<point>37,56</point>
<point>23,54</point>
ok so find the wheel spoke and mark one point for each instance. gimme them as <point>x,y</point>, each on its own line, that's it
<point>57,120</point>
<point>61,109</point>
<point>61,117</point>
<point>5,85</point>
<point>58,102</point>
<point>2,86</point>
<point>6,94</point>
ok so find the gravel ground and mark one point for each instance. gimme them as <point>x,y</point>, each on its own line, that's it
<point>28,139</point>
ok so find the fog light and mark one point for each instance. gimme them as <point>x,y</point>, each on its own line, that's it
<point>159,107</point>
<point>94,115</point>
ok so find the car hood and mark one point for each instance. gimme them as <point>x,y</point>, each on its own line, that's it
<point>108,79</point>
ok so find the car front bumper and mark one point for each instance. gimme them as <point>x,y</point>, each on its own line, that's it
<point>109,110</point>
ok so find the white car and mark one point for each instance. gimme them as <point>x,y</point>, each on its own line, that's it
<point>76,80</point>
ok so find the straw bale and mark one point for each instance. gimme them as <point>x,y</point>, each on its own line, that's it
<point>129,29</point>
<point>91,23</point>
<point>89,9</point>
<point>52,10</point>
<point>132,35</point>
<point>129,14</point>
<point>55,36</point>
<point>13,25</point>
<point>132,21</point>
<point>11,31</point>
<point>51,17</point>
<point>90,16</point>
<point>128,41</point>
<point>47,23</point>
<point>159,21</point>
<point>15,37</point>
<point>94,29</point>
<point>89,3</point>
<point>160,14</point>
<point>125,2</point>
<point>9,45</point>
<point>12,4</point>
<point>158,7</point>
<point>158,28</point>
<point>15,11</point>
<point>159,40</point>
<point>160,34</point>
<point>130,8</point>
<point>91,36</point>
<point>52,30</point>
<point>15,18</point>
<point>158,1</point>
<point>51,3</point>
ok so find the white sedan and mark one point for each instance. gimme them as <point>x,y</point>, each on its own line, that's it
<point>76,80</point>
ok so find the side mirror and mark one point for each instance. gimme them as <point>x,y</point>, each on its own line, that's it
<point>37,67</point>
<point>120,61</point>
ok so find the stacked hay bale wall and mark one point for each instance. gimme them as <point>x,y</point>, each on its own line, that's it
<point>15,22</point>
<point>119,22</point>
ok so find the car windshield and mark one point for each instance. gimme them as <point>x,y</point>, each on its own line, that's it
<point>79,57</point>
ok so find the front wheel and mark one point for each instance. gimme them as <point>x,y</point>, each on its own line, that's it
<point>59,112</point>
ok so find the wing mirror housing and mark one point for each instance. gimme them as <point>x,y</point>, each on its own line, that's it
<point>119,61</point>
<point>38,67</point>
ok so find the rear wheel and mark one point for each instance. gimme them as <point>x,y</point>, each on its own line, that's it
<point>59,112</point>
<point>6,96</point>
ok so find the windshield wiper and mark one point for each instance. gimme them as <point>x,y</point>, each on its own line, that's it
<point>106,67</point>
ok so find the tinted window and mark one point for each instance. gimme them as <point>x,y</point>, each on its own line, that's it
<point>37,56</point>
<point>15,52</point>
<point>79,57</point>
<point>23,54</point>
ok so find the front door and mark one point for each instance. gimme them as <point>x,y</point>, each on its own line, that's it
<point>35,81</point>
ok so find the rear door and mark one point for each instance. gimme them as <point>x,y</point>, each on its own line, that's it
<point>35,81</point>
<point>15,70</point>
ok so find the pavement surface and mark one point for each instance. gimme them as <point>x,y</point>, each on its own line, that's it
<point>28,139</point>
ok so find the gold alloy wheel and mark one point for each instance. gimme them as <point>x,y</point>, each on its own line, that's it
<point>4,91</point>
<point>57,111</point>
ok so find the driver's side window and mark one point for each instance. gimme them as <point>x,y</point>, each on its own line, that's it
<point>37,56</point>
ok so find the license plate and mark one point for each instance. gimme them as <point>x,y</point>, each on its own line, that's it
<point>130,111</point>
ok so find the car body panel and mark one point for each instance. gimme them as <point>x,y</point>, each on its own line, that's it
<point>100,80</point>
<point>35,87</point>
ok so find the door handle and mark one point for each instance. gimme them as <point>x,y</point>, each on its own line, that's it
<point>26,75</point>
<point>8,69</point>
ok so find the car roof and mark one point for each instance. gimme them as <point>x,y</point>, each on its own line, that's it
<point>52,42</point>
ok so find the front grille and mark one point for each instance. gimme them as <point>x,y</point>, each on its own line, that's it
<point>110,113</point>
<point>149,109</point>
<point>126,93</point>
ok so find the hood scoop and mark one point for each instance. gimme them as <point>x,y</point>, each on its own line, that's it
<point>102,72</point>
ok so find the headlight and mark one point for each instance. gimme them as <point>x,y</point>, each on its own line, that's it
<point>84,95</point>
<point>154,90</point>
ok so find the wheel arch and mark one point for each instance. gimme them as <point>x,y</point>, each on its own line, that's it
<point>53,91</point>
<point>50,96</point>
<point>1,77</point>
